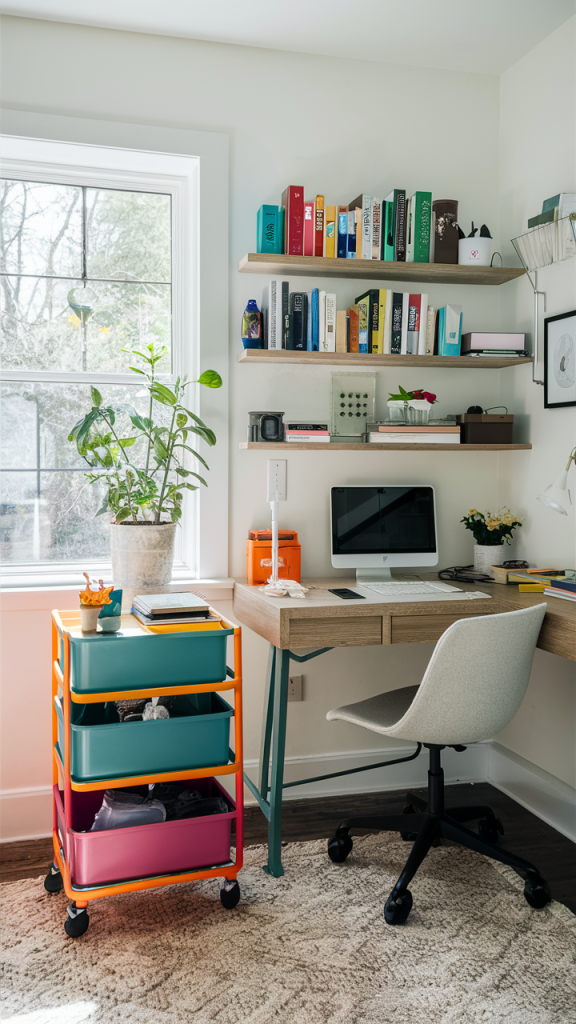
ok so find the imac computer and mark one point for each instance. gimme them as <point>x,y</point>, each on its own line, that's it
<point>375,529</point>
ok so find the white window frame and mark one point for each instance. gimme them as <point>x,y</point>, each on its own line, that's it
<point>193,168</point>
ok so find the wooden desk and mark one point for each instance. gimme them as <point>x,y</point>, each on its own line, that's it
<point>323,620</point>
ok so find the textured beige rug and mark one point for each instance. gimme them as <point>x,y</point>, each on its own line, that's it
<point>309,948</point>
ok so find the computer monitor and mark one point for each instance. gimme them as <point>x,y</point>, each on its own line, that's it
<point>375,529</point>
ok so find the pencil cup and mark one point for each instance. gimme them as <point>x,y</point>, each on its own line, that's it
<point>474,252</point>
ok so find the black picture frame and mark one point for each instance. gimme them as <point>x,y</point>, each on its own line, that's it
<point>560,360</point>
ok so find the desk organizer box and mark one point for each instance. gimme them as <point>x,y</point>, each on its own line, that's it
<point>93,751</point>
<point>120,854</point>
<point>196,735</point>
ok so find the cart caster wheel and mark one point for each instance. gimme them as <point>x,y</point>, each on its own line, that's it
<point>537,892</point>
<point>489,829</point>
<point>53,881</point>
<point>339,847</point>
<point>408,837</point>
<point>229,895</point>
<point>77,922</point>
<point>397,908</point>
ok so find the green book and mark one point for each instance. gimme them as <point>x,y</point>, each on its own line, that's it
<point>543,218</point>
<point>419,222</point>
<point>388,232</point>
<point>549,204</point>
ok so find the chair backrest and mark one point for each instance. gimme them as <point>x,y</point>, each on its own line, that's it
<point>475,680</point>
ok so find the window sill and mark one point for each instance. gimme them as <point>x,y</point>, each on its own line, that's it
<point>28,593</point>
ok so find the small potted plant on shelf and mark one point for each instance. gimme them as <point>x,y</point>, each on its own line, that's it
<point>492,531</point>
<point>139,457</point>
<point>92,600</point>
<point>410,406</point>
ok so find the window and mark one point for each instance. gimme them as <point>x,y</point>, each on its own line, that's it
<point>115,231</point>
<point>86,275</point>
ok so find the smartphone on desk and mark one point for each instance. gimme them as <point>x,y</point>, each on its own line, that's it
<point>346,594</point>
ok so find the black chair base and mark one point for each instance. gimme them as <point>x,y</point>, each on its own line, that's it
<point>427,823</point>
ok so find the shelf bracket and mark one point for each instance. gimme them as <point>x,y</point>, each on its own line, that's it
<point>534,284</point>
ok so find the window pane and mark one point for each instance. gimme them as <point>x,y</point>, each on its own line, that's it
<point>55,525</point>
<point>41,229</point>
<point>128,235</point>
<point>42,331</point>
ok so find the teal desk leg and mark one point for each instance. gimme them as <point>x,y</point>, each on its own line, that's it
<point>267,724</point>
<point>281,673</point>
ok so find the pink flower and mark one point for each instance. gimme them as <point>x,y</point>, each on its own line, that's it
<point>429,397</point>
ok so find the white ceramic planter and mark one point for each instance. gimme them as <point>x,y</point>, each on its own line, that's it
<point>142,557</point>
<point>474,252</point>
<point>486,555</point>
<point>418,411</point>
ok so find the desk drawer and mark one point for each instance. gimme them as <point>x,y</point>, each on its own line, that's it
<point>336,632</point>
<point>414,629</point>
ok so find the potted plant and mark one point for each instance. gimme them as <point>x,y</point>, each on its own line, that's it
<point>140,459</point>
<point>492,531</point>
<point>410,406</point>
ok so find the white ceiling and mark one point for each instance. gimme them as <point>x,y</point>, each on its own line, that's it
<point>485,36</point>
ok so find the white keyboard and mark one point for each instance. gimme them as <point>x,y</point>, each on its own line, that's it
<point>421,587</point>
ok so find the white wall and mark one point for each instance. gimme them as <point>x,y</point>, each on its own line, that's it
<point>538,159</point>
<point>338,127</point>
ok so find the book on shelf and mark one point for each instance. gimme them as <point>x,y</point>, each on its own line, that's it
<point>376,229</point>
<point>371,297</point>
<point>445,231</point>
<point>342,238</point>
<point>272,309</point>
<point>293,203</point>
<point>352,237</point>
<point>396,327</point>
<point>363,305</point>
<point>413,435</point>
<point>313,316</point>
<point>268,235</point>
<point>308,229</point>
<point>430,331</point>
<point>564,202</point>
<point>330,322</point>
<point>307,432</point>
<point>341,330</point>
<point>413,325</point>
<point>330,232</point>
<point>565,584</point>
<point>285,312</point>
<point>449,330</point>
<point>319,226</point>
<point>543,218</point>
<point>388,229</point>
<point>419,221</point>
<point>322,321</point>
<point>363,203</point>
<point>404,330</point>
<point>298,321</point>
<point>354,329</point>
<point>397,198</point>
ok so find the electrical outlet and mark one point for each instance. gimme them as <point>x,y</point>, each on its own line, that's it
<point>276,481</point>
<point>295,688</point>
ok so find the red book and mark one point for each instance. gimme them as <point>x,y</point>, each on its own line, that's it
<point>293,203</point>
<point>308,229</point>
<point>319,226</point>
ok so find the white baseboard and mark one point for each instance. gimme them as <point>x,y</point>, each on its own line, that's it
<point>533,788</point>
<point>27,813</point>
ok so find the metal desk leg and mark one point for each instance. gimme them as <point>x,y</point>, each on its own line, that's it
<point>267,724</point>
<point>281,674</point>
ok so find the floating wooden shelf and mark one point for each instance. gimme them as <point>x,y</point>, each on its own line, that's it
<point>377,270</point>
<point>338,446</point>
<point>269,355</point>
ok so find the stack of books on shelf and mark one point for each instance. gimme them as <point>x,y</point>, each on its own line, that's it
<point>307,432</point>
<point>394,228</point>
<point>387,432</point>
<point>172,609</point>
<point>563,588</point>
<point>381,321</point>
<point>551,235</point>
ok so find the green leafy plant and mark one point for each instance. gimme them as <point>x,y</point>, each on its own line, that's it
<point>408,396</point>
<point>491,527</point>
<point>155,487</point>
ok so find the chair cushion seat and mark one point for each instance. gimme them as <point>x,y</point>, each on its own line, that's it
<point>377,713</point>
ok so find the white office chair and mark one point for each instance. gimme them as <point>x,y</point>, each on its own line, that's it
<point>474,684</point>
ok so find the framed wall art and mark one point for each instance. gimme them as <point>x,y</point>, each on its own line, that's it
<point>560,360</point>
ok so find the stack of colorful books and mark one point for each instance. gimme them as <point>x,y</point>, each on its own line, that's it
<point>307,432</point>
<point>397,228</point>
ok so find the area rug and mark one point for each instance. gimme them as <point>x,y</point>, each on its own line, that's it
<point>309,948</point>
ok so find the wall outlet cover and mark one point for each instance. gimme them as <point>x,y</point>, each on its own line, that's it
<point>295,688</point>
<point>353,403</point>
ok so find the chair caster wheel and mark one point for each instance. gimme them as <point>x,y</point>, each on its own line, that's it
<point>339,847</point>
<point>537,892</point>
<point>489,829</point>
<point>53,881</point>
<point>397,908</point>
<point>408,837</point>
<point>230,894</point>
<point>77,922</point>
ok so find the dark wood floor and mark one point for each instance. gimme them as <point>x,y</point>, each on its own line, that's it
<point>525,834</point>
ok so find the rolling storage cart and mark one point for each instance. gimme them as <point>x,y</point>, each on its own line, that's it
<point>92,754</point>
